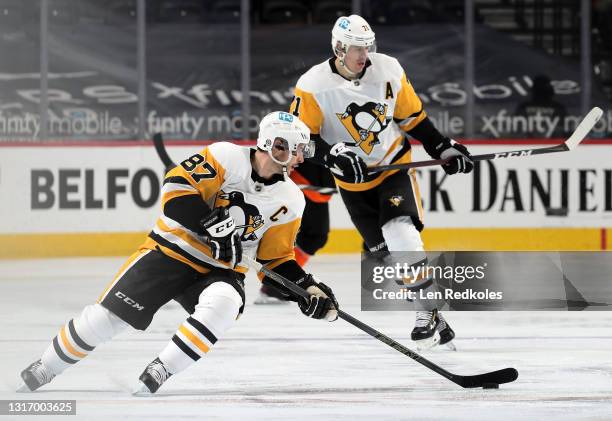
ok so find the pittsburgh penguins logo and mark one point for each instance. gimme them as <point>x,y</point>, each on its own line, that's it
<point>396,200</point>
<point>365,122</point>
<point>247,216</point>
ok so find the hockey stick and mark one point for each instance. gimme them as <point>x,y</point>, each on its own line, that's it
<point>486,380</point>
<point>162,153</point>
<point>579,134</point>
<point>491,379</point>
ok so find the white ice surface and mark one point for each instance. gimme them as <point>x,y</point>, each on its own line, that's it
<point>276,364</point>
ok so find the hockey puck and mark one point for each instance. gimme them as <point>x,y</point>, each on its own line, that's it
<point>490,386</point>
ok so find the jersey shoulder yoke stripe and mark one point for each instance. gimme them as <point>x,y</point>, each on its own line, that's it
<point>383,68</point>
<point>319,78</point>
<point>235,160</point>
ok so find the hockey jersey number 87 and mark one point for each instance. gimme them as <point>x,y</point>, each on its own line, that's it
<point>267,214</point>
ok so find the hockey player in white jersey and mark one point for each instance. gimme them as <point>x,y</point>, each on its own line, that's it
<point>359,106</point>
<point>217,205</point>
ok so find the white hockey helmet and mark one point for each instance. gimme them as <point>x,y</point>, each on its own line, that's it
<point>282,135</point>
<point>352,30</point>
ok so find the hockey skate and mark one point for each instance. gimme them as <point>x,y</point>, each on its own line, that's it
<point>269,296</point>
<point>447,334</point>
<point>35,376</point>
<point>431,329</point>
<point>152,378</point>
<point>425,332</point>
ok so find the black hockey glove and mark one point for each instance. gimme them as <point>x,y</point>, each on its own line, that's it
<point>346,164</point>
<point>322,304</point>
<point>460,162</point>
<point>219,231</point>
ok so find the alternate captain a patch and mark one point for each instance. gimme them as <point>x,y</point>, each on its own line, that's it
<point>365,122</point>
<point>396,200</point>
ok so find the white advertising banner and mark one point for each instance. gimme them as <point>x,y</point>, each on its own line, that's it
<point>68,189</point>
<point>567,189</point>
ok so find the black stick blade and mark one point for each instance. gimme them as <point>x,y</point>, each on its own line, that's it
<point>506,375</point>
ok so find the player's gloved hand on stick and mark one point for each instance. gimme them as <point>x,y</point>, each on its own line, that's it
<point>224,242</point>
<point>461,160</point>
<point>346,164</point>
<point>322,304</point>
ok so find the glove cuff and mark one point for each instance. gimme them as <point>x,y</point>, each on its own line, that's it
<point>218,223</point>
<point>338,149</point>
<point>442,147</point>
<point>306,281</point>
<point>455,149</point>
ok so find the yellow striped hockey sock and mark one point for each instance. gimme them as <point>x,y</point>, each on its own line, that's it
<point>66,349</point>
<point>80,336</point>
<point>191,341</point>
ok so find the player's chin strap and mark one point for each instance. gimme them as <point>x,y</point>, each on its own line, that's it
<point>345,67</point>
<point>284,165</point>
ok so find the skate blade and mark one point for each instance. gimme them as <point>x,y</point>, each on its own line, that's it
<point>451,346</point>
<point>23,389</point>
<point>141,390</point>
<point>425,344</point>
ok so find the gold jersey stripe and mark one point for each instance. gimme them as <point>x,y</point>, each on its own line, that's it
<point>408,103</point>
<point>393,148</point>
<point>278,241</point>
<point>151,244</point>
<point>308,110</point>
<point>417,193</point>
<point>180,233</point>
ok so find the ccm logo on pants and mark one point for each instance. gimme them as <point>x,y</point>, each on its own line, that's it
<point>128,300</point>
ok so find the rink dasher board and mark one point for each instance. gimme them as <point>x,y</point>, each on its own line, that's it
<point>116,189</point>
